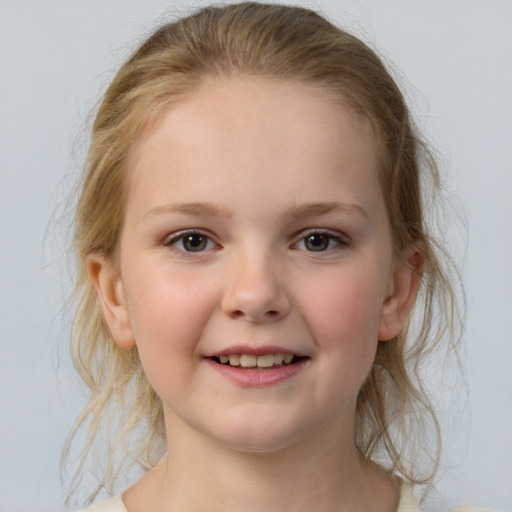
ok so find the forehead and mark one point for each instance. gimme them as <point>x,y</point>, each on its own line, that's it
<point>243,128</point>
<point>234,104</point>
<point>234,101</point>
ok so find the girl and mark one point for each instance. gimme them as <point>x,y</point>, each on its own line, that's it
<point>251,247</point>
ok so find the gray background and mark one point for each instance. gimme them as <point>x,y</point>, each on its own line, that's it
<point>56,57</point>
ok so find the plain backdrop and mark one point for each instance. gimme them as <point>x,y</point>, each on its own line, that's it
<point>56,56</point>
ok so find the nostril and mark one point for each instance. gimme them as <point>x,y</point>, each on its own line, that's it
<point>273,313</point>
<point>256,307</point>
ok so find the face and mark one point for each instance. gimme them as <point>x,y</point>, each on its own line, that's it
<point>255,271</point>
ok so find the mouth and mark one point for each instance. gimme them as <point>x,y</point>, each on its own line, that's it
<point>259,362</point>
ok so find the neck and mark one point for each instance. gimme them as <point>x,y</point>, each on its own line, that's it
<point>322,472</point>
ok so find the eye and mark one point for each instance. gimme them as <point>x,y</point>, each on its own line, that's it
<point>320,241</point>
<point>317,242</point>
<point>191,241</point>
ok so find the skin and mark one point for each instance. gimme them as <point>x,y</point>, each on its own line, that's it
<point>253,166</point>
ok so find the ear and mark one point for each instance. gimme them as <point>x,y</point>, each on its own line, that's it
<point>403,288</point>
<point>109,287</point>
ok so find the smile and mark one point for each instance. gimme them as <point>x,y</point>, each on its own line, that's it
<point>256,361</point>
<point>254,371</point>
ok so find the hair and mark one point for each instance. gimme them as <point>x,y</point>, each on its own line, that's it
<point>279,43</point>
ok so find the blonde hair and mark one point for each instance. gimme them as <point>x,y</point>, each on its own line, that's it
<point>284,43</point>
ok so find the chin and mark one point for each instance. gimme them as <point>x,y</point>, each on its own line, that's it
<point>264,437</point>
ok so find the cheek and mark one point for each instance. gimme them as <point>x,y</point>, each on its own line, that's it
<point>342,314</point>
<point>168,314</point>
<point>345,307</point>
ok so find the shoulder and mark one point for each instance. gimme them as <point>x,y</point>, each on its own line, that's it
<point>114,504</point>
<point>408,503</point>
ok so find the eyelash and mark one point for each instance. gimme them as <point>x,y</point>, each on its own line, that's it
<point>339,239</point>
<point>330,236</point>
<point>182,236</point>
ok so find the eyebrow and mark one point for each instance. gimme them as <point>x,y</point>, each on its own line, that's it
<point>323,208</point>
<point>200,209</point>
<point>193,209</point>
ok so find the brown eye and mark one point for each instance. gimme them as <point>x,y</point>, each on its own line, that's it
<point>194,242</point>
<point>317,242</point>
<point>191,241</point>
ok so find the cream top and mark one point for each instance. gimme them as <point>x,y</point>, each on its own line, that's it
<point>407,504</point>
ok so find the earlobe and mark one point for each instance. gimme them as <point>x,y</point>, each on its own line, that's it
<point>403,288</point>
<point>109,287</point>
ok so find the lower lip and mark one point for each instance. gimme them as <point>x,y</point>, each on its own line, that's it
<point>258,377</point>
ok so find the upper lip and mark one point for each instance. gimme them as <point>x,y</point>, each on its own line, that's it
<point>256,351</point>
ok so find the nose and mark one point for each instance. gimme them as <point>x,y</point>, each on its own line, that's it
<point>256,291</point>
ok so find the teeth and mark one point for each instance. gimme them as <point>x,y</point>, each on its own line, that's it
<point>247,360</point>
<point>278,358</point>
<point>265,361</point>
<point>234,359</point>
<point>250,360</point>
<point>288,358</point>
